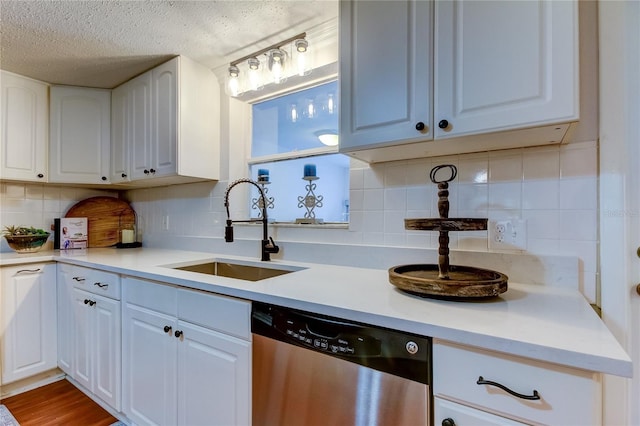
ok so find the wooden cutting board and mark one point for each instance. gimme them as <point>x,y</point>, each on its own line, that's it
<point>104,214</point>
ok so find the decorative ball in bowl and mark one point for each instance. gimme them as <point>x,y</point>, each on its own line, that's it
<point>25,240</point>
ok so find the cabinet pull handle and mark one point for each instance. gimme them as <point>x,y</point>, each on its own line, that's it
<point>178,333</point>
<point>79,279</point>
<point>101,285</point>
<point>535,396</point>
<point>89,302</point>
<point>448,422</point>
<point>31,271</point>
<point>167,328</point>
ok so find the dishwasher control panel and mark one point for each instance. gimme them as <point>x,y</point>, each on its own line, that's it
<point>313,336</point>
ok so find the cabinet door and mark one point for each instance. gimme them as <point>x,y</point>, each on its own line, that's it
<point>451,414</point>
<point>503,65</point>
<point>80,135</point>
<point>65,319</point>
<point>214,385</point>
<point>149,366</point>
<point>29,340</point>
<point>164,135</point>
<point>106,350</point>
<point>139,125</point>
<point>82,336</point>
<point>120,137</point>
<point>24,137</point>
<point>385,72</point>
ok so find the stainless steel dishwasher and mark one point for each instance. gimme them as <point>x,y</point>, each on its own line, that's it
<point>311,369</point>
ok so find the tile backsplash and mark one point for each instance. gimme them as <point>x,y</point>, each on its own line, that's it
<point>555,188</point>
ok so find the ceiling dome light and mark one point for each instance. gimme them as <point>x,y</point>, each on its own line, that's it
<point>327,137</point>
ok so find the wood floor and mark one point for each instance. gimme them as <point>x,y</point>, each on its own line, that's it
<point>59,403</point>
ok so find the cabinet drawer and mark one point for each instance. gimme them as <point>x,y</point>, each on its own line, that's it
<point>567,396</point>
<point>152,295</point>
<point>104,283</point>
<point>466,416</point>
<point>221,313</point>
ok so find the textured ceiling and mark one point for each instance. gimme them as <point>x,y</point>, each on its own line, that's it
<point>104,43</point>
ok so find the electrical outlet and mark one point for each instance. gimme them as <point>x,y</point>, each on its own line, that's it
<point>165,222</point>
<point>508,234</point>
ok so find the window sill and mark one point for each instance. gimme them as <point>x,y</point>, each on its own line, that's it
<point>326,225</point>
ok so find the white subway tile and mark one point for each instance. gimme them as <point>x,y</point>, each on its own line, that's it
<point>543,164</point>
<point>540,194</point>
<point>579,193</point>
<point>373,199</point>
<point>395,199</point>
<point>581,225</point>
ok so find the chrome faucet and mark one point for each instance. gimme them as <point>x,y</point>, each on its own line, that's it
<point>267,246</point>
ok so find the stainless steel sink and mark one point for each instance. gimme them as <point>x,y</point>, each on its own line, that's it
<point>239,271</point>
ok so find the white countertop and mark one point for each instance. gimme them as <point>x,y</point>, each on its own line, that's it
<point>545,323</point>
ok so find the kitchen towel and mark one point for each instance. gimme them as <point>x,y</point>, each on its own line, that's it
<point>6,418</point>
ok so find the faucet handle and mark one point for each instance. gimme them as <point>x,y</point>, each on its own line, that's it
<point>272,247</point>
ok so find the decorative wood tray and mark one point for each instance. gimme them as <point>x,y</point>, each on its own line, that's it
<point>463,281</point>
<point>444,280</point>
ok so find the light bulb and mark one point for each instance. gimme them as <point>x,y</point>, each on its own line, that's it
<point>233,83</point>
<point>301,51</point>
<point>311,109</point>
<point>254,74</point>
<point>294,113</point>
<point>276,64</point>
<point>330,104</point>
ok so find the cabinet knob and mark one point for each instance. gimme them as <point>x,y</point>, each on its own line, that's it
<point>40,175</point>
<point>443,124</point>
<point>103,178</point>
<point>420,126</point>
<point>146,172</point>
<point>152,170</point>
<point>167,328</point>
<point>124,175</point>
<point>448,422</point>
<point>86,301</point>
<point>178,333</point>
<point>638,289</point>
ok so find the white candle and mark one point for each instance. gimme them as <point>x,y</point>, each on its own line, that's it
<point>128,236</point>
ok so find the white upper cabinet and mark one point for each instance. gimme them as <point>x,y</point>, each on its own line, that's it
<point>24,130</point>
<point>120,163</point>
<point>503,65</point>
<point>167,121</point>
<point>385,72</point>
<point>499,75</point>
<point>80,135</point>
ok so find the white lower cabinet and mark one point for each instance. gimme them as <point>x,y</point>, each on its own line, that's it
<point>90,330</point>
<point>28,320</point>
<point>474,386</point>
<point>186,356</point>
